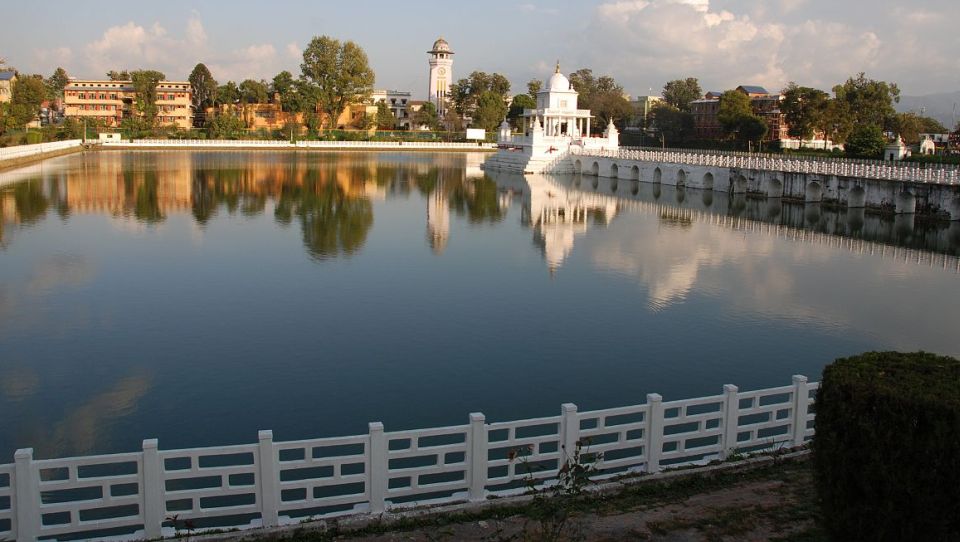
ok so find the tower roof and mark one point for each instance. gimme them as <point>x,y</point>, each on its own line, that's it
<point>441,46</point>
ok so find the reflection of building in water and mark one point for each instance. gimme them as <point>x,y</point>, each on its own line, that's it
<point>558,215</point>
<point>438,218</point>
<point>120,187</point>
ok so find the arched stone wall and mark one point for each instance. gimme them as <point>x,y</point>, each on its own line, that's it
<point>708,181</point>
<point>856,197</point>
<point>635,173</point>
<point>814,192</point>
<point>681,178</point>
<point>905,203</point>
<point>773,188</point>
<point>614,171</point>
<point>595,169</point>
<point>657,175</point>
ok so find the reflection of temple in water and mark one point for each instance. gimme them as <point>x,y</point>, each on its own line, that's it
<point>438,218</point>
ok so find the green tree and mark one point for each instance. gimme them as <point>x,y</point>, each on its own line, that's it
<point>675,126</point>
<point>533,87</point>
<point>490,111</point>
<point>805,110</point>
<point>602,95</point>
<point>228,93</point>
<point>226,125</point>
<point>838,121</point>
<point>910,125</point>
<point>339,73</point>
<point>519,103</point>
<point>28,93</point>
<point>427,116</point>
<point>145,85</point>
<point>122,75</point>
<point>253,92</point>
<point>868,101</point>
<point>203,86</point>
<point>385,119</point>
<point>288,89</point>
<point>56,83</point>
<point>680,92</point>
<point>465,94</point>
<point>865,141</point>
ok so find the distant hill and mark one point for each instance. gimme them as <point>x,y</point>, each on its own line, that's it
<point>938,106</point>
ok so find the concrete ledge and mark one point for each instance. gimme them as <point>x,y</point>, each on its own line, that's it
<point>26,160</point>
<point>295,149</point>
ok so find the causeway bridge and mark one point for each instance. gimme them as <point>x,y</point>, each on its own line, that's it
<point>900,188</point>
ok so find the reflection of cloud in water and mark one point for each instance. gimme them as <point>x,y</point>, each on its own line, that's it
<point>670,261</point>
<point>874,298</point>
<point>85,427</point>
<point>19,308</point>
<point>18,383</point>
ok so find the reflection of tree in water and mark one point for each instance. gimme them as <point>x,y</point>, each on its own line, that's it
<point>334,223</point>
<point>477,200</point>
<point>30,201</point>
<point>147,202</point>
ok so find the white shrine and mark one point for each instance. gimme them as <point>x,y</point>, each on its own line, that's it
<point>549,132</point>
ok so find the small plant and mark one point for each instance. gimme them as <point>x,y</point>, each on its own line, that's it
<point>180,526</point>
<point>554,504</point>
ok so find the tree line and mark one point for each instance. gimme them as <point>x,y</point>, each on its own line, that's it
<point>857,115</point>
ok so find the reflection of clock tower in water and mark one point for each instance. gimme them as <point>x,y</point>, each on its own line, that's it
<point>441,74</point>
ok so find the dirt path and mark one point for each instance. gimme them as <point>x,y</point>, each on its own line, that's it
<point>771,502</point>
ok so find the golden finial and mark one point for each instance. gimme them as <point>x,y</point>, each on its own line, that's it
<point>558,66</point>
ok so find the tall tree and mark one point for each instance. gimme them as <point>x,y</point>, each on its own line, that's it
<point>203,86</point>
<point>145,85</point>
<point>865,141</point>
<point>465,93</point>
<point>680,92</point>
<point>253,92</point>
<point>426,116</point>
<point>533,87</point>
<point>56,83</point>
<point>602,95</point>
<point>287,89</point>
<point>519,103</point>
<point>734,108</point>
<point>122,75</point>
<point>28,93</point>
<point>673,125</point>
<point>385,118</point>
<point>228,93</point>
<point>868,101</point>
<point>339,73</point>
<point>805,110</point>
<point>490,111</point>
<point>910,125</point>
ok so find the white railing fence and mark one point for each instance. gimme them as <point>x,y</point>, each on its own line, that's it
<point>21,151</point>
<point>153,492</point>
<point>864,169</point>
<point>273,144</point>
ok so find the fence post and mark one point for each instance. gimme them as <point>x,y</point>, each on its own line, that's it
<point>731,419</point>
<point>569,432</point>
<point>269,482</point>
<point>801,404</point>
<point>378,468</point>
<point>478,457</point>
<point>153,505</point>
<point>27,494</point>
<point>654,440</point>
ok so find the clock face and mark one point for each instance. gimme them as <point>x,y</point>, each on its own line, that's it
<point>441,71</point>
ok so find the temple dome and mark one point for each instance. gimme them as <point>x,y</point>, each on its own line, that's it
<point>441,46</point>
<point>558,81</point>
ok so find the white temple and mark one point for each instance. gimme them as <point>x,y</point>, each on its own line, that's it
<point>549,132</point>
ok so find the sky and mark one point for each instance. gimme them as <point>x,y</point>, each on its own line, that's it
<point>641,43</point>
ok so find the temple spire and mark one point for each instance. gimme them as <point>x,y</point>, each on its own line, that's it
<point>558,66</point>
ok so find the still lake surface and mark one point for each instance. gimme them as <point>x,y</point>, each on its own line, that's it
<point>197,297</point>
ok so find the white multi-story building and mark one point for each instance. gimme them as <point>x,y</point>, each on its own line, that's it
<point>441,75</point>
<point>398,101</point>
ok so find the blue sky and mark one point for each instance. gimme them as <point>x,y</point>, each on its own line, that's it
<point>642,43</point>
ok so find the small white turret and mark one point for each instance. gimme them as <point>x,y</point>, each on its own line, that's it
<point>506,133</point>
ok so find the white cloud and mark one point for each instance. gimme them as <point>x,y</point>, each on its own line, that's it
<point>294,51</point>
<point>659,40</point>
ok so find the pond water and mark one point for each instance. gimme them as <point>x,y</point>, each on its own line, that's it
<point>197,297</point>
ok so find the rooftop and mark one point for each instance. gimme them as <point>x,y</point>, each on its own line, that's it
<point>8,75</point>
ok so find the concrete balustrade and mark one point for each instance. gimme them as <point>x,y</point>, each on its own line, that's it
<point>136,495</point>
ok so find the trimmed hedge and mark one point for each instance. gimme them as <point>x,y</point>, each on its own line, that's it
<point>886,451</point>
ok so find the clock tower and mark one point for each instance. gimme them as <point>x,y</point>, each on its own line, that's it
<point>441,75</point>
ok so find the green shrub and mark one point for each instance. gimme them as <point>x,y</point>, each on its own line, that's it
<point>887,447</point>
<point>33,138</point>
